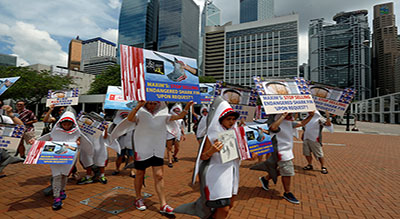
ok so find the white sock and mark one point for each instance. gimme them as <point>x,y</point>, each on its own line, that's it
<point>101,174</point>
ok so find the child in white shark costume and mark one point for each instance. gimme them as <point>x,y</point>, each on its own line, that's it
<point>60,172</point>
<point>202,122</point>
<point>219,181</point>
<point>175,132</point>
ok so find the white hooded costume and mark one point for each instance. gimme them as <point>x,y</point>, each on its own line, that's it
<point>59,134</point>
<point>202,126</point>
<point>174,127</point>
<point>124,130</point>
<point>150,133</point>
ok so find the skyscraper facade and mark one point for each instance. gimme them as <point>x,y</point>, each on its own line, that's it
<point>330,46</point>
<point>97,55</point>
<point>75,54</point>
<point>266,48</point>
<point>254,10</point>
<point>138,23</point>
<point>8,60</point>
<point>212,14</point>
<point>178,28</point>
<point>386,49</point>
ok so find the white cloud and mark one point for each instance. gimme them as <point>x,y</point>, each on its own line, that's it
<point>111,35</point>
<point>114,4</point>
<point>32,45</point>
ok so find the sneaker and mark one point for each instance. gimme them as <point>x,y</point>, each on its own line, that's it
<point>290,198</point>
<point>166,209</point>
<point>140,204</point>
<point>170,165</point>
<point>264,183</point>
<point>308,167</point>
<point>103,179</point>
<point>63,196</point>
<point>175,159</point>
<point>57,204</point>
<point>115,173</point>
<point>324,170</point>
<point>85,180</point>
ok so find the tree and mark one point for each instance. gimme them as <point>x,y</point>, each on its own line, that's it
<point>207,79</point>
<point>110,77</point>
<point>33,85</point>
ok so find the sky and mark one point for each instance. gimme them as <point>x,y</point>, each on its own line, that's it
<point>39,31</point>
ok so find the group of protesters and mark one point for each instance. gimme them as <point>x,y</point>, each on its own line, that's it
<point>150,129</point>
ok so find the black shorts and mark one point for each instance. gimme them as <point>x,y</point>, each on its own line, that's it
<point>151,162</point>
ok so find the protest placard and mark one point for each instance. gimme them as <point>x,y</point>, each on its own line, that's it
<point>115,99</point>
<point>332,99</point>
<point>10,135</point>
<point>286,95</point>
<point>52,152</point>
<point>91,124</point>
<point>246,112</point>
<point>236,94</point>
<point>156,76</point>
<point>229,150</point>
<point>258,141</point>
<point>207,93</point>
<point>6,83</point>
<point>63,97</point>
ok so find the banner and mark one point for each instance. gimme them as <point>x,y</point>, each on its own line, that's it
<point>52,152</point>
<point>91,124</point>
<point>156,76</point>
<point>279,96</point>
<point>258,141</point>
<point>331,99</point>
<point>207,91</point>
<point>246,112</point>
<point>63,97</point>
<point>10,135</point>
<point>6,83</point>
<point>115,99</point>
<point>236,94</point>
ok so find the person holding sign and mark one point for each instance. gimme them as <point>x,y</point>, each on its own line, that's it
<point>151,120</point>
<point>65,130</point>
<point>5,157</point>
<point>282,130</point>
<point>175,132</point>
<point>312,140</point>
<point>222,179</point>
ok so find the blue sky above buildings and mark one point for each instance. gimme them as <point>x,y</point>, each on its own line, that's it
<point>39,31</point>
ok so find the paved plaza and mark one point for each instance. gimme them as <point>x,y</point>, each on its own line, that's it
<point>363,182</point>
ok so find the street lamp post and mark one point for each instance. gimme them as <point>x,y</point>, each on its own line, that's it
<point>348,83</point>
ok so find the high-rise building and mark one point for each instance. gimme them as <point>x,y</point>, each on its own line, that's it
<point>178,28</point>
<point>138,23</point>
<point>75,54</point>
<point>386,49</point>
<point>8,60</point>
<point>330,46</point>
<point>211,16</point>
<point>255,10</point>
<point>214,52</point>
<point>266,48</point>
<point>170,26</point>
<point>97,55</point>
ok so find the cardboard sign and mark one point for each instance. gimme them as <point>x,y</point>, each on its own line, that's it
<point>230,149</point>
<point>331,99</point>
<point>207,91</point>
<point>6,83</point>
<point>10,135</point>
<point>257,140</point>
<point>92,124</point>
<point>63,97</point>
<point>246,112</point>
<point>115,100</point>
<point>156,76</point>
<point>279,96</point>
<point>236,94</point>
<point>52,152</point>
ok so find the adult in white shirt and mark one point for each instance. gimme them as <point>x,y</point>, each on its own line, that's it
<point>151,120</point>
<point>312,140</point>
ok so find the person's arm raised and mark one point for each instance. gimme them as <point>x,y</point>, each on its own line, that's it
<point>183,113</point>
<point>275,125</point>
<point>132,115</point>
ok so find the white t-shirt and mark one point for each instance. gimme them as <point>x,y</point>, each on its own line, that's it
<point>313,128</point>
<point>150,134</point>
<point>285,139</point>
<point>6,119</point>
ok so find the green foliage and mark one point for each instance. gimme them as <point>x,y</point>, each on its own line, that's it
<point>207,79</point>
<point>33,85</point>
<point>110,77</point>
